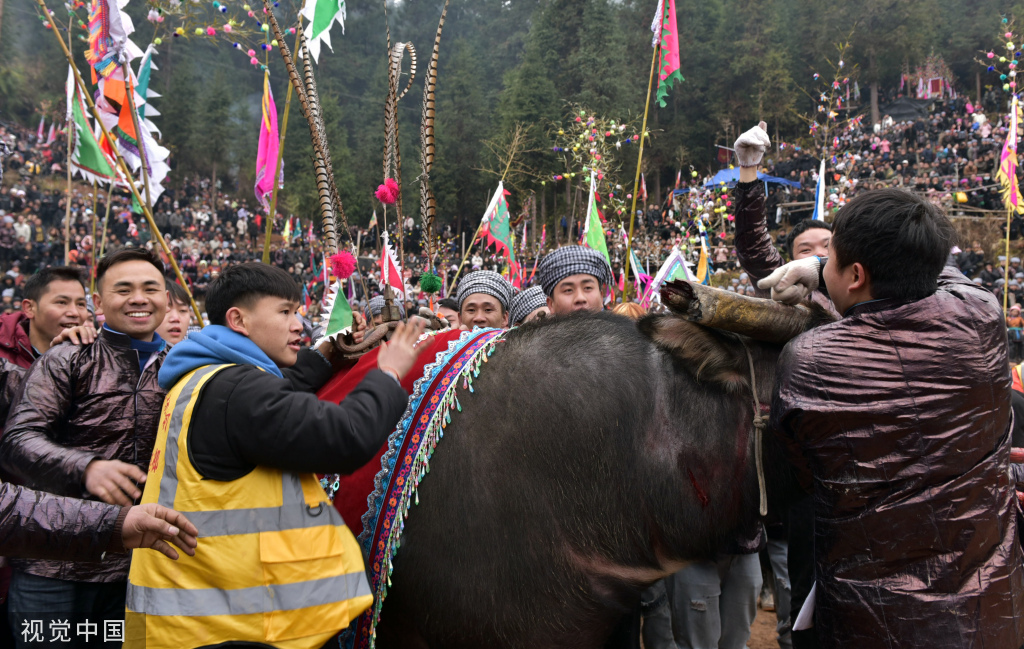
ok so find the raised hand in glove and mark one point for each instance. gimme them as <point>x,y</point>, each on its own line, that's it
<point>792,283</point>
<point>750,146</point>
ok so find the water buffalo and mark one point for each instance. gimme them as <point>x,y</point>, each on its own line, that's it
<point>595,456</point>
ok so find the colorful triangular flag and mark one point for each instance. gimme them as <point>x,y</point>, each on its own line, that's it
<point>87,157</point>
<point>666,33</point>
<point>593,231</point>
<point>1007,174</point>
<point>322,15</point>
<point>390,269</point>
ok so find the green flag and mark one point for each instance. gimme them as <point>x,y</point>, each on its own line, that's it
<point>593,231</point>
<point>339,318</point>
<point>87,158</point>
<point>321,15</point>
<point>142,85</point>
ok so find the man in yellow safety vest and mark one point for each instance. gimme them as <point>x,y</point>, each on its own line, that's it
<point>241,436</point>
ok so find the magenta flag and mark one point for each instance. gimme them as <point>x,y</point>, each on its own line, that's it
<point>267,160</point>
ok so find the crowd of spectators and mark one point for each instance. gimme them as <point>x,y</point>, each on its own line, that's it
<point>951,154</point>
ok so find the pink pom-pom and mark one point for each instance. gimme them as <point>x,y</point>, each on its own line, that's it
<point>343,264</point>
<point>227,28</point>
<point>388,192</point>
<point>254,61</point>
<point>210,31</point>
<point>251,52</point>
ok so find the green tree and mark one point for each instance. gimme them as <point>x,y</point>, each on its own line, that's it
<point>178,119</point>
<point>211,140</point>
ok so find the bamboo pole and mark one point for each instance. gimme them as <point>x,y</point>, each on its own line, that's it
<point>92,250</point>
<point>1006,264</point>
<point>70,125</point>
<point>129,88</point>
<point>280,156</point>
<point>120,161</point>
<point>626,285</point>
<point>103,236</point>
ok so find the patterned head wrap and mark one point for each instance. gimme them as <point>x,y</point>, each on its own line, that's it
<point>376,305</point>
<point>526,302</point>
<point>572,260</point>
<point>487,282</point>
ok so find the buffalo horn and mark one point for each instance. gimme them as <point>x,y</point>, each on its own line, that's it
<point>758,318</point>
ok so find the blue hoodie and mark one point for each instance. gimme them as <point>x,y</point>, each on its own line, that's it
<point>214,345</point>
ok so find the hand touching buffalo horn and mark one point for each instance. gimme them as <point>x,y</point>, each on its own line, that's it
<point>760,319</point>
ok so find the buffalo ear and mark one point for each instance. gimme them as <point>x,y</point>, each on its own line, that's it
<point>710,356</point>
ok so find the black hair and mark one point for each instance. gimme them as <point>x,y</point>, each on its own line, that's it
<point>36,285</point>
<point>126,255</point>
<point>449,303</point>
<point>800,228</point>
<point>178,294</point>
<point>902,240</point>
<point>242,285</point>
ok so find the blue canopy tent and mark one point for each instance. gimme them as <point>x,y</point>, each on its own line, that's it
<point>732,176</point>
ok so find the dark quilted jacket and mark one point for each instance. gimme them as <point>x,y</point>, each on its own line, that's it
<point>77,404</point>
<point>898,417</point>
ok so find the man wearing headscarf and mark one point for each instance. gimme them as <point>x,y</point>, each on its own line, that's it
<point>574,278</point>
<point>375,307</point>
<point>527,305</point>
<point>484,298</point>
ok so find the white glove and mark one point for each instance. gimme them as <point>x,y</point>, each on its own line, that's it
<point>792,283</point>
<point>750,146</point>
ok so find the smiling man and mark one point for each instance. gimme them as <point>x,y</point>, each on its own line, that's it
<point>54,300</point>
<point>242,436</point>
<point>84,425</point>
<point>575,278</point>
<point>484,297</point>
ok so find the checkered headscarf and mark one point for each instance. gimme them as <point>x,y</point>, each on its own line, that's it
<point>526,302</point>
<point>376,305</point>
<point>572,260</point>
<point>488,282</point>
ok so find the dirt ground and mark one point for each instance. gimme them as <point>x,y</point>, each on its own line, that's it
<point>762,633</point>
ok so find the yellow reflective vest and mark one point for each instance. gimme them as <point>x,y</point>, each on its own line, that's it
<point>275,563</point>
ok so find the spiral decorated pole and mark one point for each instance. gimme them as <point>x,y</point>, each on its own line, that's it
<point>309,102</point>
<point>428,204</point>
<point>392,151</point>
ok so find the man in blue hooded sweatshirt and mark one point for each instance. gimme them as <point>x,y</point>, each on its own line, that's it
<point>241,437</point>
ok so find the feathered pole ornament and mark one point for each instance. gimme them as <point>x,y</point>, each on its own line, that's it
<point>429,282</point>
<point>309,102</point>
<point>392,187</point>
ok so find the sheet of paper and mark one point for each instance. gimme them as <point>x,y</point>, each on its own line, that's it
<point>805,618</point>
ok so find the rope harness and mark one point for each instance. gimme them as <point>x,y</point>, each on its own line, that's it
<point>759,425</point>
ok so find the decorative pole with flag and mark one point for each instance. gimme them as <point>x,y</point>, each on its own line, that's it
<point>391,269</point>
<point>267,154</point>
<point>668,36</point>
<point>123,166</point>
<point>666,46</point>
<point>593,231</point>
<point>280,147</point>
<point>87,157</point>
<point>496,229</point>
<point>1007,175</point>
